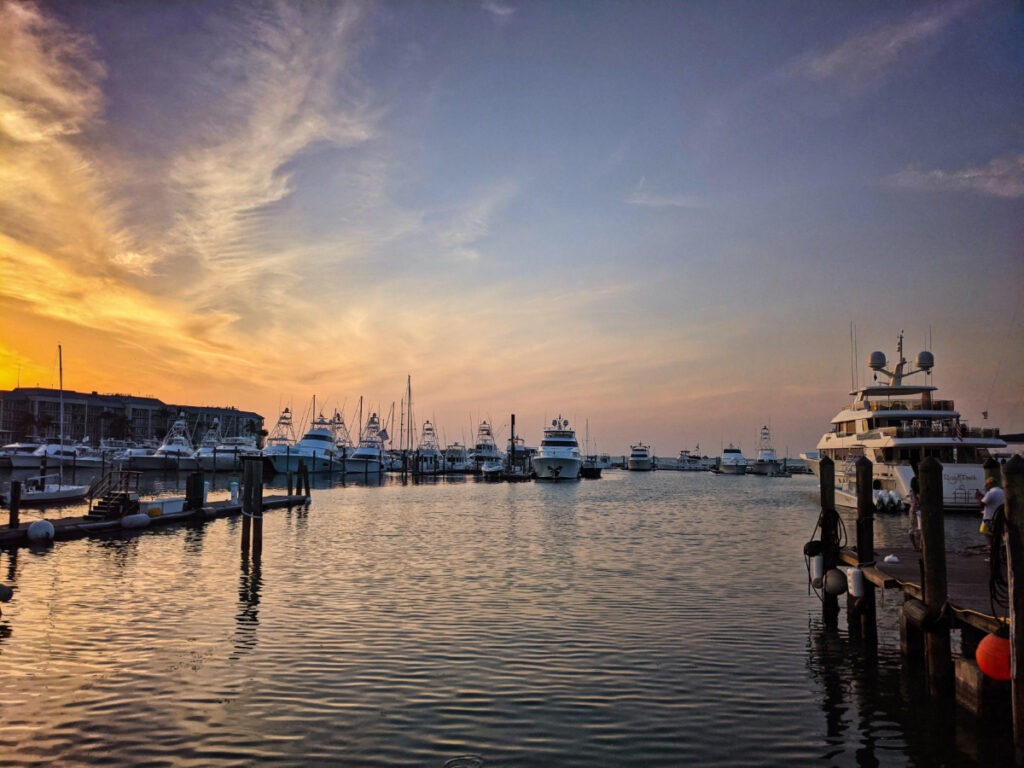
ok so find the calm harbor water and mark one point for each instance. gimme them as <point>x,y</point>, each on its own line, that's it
<point>644,619</point>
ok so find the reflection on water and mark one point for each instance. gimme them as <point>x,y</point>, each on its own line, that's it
<point>644,619</point>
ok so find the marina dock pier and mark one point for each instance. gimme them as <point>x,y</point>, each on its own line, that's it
<point>943,591</point>
<point>151,513</point>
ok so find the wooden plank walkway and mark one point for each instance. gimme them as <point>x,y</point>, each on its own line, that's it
<point>967,574</point>
<point>66,528</point>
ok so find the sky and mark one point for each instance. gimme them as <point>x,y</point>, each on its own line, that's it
<point>669,222</point>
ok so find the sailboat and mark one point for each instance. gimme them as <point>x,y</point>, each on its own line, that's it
<point>51,489</point>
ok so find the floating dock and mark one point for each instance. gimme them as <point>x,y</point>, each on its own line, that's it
<point>66,528</point>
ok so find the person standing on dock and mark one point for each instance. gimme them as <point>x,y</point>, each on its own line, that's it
<point>915,513</point>
<point>990,502</point>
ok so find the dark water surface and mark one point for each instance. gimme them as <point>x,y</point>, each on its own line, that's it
<point>644,619</point>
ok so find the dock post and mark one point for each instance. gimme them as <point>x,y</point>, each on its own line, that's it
<point>829,538</point>
<point>862,612</point>
<point>1014,488</point>
<point>289,483</point>
<point>257,510</point>
<point>247,493</point>
<point>937,652</point>
<point>15,504</point>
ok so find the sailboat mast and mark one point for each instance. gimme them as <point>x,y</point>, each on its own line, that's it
<point>60,379</point>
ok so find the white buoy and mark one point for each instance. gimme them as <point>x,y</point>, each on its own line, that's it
<point>234,493</point>
<point>206,491</point>
<point>892,558</point>
<point>138,520</point>
<point>40,531</point>
<point>855,578</point>
<point>817,570</point>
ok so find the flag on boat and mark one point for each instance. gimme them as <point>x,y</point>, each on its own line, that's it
<point>384,434</point>
<point>959,430</point>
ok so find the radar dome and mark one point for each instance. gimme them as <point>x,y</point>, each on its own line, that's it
<point>925,361</point>
<point>877,361</point>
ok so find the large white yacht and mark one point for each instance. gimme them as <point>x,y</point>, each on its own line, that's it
<point>732,461</point>
<point>640,459</point>
<point>896,426</point>
<point>558,457</point>
<point>280,440</point>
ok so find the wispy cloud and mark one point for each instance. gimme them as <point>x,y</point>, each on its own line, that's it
<point>464,228</point>
<point>865,61</point>
<point>277,99</point>
<point>498,9</point>
<point>643,196</point>
<point>50,96</point>
<point>1002,177</point>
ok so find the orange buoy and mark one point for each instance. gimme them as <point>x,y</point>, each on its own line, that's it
<point>993,657</point>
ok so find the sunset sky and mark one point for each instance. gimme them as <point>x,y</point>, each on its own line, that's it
<point>658,219</point>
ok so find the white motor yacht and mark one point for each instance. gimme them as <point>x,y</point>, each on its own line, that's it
<point>175,452</point>
<point>732,462</point>
<point>428,456</point>
<point>369,457</point>
<point>456,459</point>
<point>217,453</point>
<point>486,451</point>
<point>317,450</point>
<point>767,462</point>
<point>640,459</point>
<point>280,440</point>
<point>12,450</point>
<point>558,457</point>
<point>896,426</point>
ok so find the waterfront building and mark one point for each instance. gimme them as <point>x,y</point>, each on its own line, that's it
<point>35,411</point>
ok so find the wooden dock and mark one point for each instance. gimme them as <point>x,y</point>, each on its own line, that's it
<point>967,582</point>
<point>978,593</point>
<point>66,528</point>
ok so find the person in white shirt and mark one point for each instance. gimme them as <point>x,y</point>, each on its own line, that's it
<point>990,501</point>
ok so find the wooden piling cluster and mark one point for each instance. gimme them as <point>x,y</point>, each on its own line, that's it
<point>928,615</point>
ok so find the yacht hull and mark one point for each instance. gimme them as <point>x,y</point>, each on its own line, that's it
<point>555,468</point>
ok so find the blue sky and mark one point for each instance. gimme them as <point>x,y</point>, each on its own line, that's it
<point>658,218</point>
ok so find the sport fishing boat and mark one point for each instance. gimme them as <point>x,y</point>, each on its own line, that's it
<point>640,459</point>
<point>316,450</point>
<point>429,459</point>
<point>175,452</point>
<point>896,426</point>
<point>558,457</point>
<point>485,451</point>
<point>369,457</point>
<point>767,462</point>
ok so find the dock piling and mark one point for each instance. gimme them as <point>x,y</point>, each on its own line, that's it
<point>862,610</point>
<point>829,538</point>
<point>14,505</point>
<point>937,651</point>
<point>1014,488</point>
